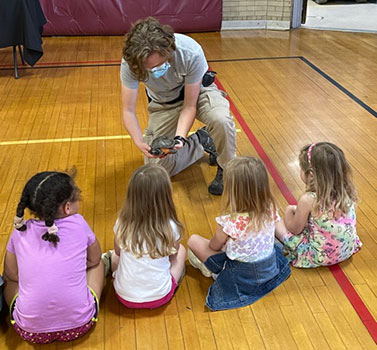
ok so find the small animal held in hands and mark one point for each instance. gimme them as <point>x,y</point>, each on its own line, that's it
<point>162,145</point>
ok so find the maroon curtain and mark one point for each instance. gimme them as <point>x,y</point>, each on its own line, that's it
<point>114,17</point>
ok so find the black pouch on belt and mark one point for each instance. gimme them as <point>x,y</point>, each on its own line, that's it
<point>208,78</point>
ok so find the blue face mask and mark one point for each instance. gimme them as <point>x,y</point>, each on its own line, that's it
<point>159,71</point>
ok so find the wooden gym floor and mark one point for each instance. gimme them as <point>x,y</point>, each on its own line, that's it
<point>287,89</point>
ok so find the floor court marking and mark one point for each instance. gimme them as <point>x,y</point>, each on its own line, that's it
<point>64,63</point>
<point>65,139</point>
<point>74,139</point>
<point>316,69</point>
<point>112,63</point>
<point>339,275</point>
<point>348,289</point>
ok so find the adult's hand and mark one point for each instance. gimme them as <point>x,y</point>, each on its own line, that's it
<point>145,148</point>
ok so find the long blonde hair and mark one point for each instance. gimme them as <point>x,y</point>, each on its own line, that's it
<point>144,220</point>
<point>247,189</point>
<point>145,37</point>
<point>331,177</point>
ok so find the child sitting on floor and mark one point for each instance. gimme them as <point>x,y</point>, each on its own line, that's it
<point>53,271</point>
<point>242,255</point>
<point>148,260</point>
<point>322,227</point>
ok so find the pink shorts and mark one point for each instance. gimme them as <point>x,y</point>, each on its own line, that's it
<point>151,304</point>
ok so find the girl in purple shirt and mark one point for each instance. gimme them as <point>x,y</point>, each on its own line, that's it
<point>53,271</point>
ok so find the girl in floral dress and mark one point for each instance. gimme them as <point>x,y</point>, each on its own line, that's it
<point>242,256</point>
<point>322,227</point>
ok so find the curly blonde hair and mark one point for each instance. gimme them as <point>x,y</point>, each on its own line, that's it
<point>331,177</point>
<point>145,37</point>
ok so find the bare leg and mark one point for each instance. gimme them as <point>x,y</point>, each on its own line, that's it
<point>281,231</point>
<point>200,247</point>
<point>95,276</point>
<point>114,261</point>
<point>177,263</point>
<point>10,289</point>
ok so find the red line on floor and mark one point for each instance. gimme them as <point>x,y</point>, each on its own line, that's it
<point>339,275</point>
<point>42,64</point>
<point>348,289</point>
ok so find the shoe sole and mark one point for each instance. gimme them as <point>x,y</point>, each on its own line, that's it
<point>195,262</point>
<point>212,159</point>
<point>212,152</point>
<point>215,193</point>
<point>106,258</point>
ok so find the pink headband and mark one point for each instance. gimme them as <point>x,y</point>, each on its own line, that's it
<point>310,153</point>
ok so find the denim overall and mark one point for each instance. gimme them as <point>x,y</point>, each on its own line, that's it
<point>240,283</point>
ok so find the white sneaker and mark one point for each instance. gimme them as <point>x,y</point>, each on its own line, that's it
<point>106,258</point>
<point>195,262</point>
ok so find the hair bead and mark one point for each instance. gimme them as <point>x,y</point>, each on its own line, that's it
<point>52,230</point>
<point>18,222</point>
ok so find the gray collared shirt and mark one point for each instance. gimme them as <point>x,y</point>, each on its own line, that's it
<point>188,65</point>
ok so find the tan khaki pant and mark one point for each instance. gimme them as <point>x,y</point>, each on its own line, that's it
<point>212,110</point>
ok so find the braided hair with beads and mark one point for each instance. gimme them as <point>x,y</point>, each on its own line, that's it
<point>44,195</point>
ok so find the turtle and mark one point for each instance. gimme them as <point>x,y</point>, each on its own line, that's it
<point>162,145</point>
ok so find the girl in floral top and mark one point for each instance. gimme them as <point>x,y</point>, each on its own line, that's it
<point>323,224</point>
<point>242,255</point>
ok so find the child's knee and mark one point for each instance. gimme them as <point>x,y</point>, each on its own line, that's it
<point>182,251</point>
<point>192,241</point>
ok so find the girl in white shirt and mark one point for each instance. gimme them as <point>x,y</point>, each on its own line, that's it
<point>148,261</point>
